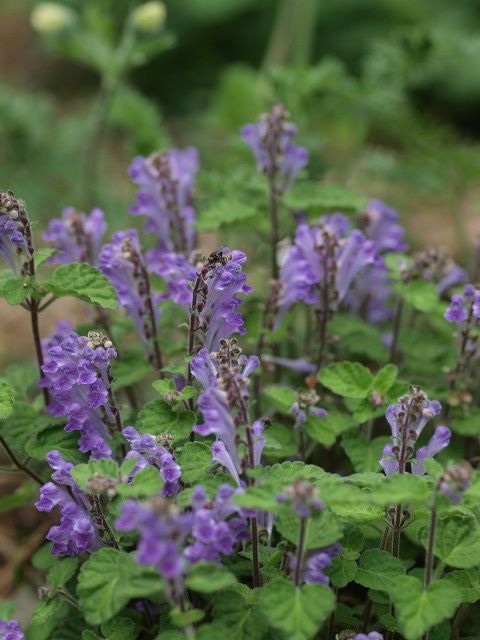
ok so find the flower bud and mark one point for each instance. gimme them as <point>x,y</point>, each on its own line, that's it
<point>51,18</point>
<point>149,17</point>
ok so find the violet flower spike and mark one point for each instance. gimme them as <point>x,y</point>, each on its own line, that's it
<point>77,236</point>
<point>165,197</point>
<point>11,630</point>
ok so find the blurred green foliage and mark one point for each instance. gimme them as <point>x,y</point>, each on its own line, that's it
<point>385,94</point>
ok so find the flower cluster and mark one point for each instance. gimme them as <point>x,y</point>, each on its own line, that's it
<point>14,232</point>
<point>407,419</point>
<point>455,480</point>
<point>371,291</point>
<point>165,196</point>
<point>76,373</point>
<point>77,236</point>
<point>11,630</point>
<point>214,312</point>
<point>177,272</point>
<point>148,452</point>
<point>123,263</point>
<point>321,265</point>
<point>224,405</point>
<point>271,143</point>
<point>305,407</point>
<point>170,539</point>
<point>315,562</point>
<point>302,497</point>
<point>434,265</point>
<point>76,532</point>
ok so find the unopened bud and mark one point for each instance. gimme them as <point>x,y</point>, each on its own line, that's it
<point>51,18</point>
<point>149,17</point>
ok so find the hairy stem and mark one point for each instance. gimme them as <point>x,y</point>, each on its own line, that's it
<point>397,320</point>
<point>38,345</point>
<point>257,582</point>
<point>274,227</point>
<point>20,465</point>
<point>430,545</point>
<point>300,551</point>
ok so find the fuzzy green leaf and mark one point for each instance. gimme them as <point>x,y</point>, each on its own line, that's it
<point>298,612</point>
<point>378,569</point>
<point>108,580</point>
<point>417,609</point>
<point>159,417</point>
<point>349,379</point>
<point>80,280</point>
<point>207,577</point>
<point>195,459</point>
<point>7,400</point>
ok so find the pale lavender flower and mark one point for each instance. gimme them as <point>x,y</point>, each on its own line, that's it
<point>165,196</point>
<point>305,407</point>
<point>178,274</point>
<point>271,143</point>
<point>373,635</point>
<point>316,562</point>
<point>439,440</point>
<point>380,223</point>
<point>77,236</point>
<point>454,481</point>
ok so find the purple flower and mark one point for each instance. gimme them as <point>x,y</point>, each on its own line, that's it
<point>215,302</point>
<point>302,496</point>
<point>434,265</point>
<point>271,143</point>
<point>177,272</point>
<point>439,440</point>
<point>379,223</point>
<point>122,262</point>
<point>455,480</point>
<point>13,241</point>
<point>148,452</point>
<point>77,236</point>
<point>165,196</point>
<point>318,560</point>
<point>11,630</point>
<point>373,635</point>
<point>76,532</point>
<point>407,419</point>
<point>76,372</point>
<point>321,265</point>
<point>205,366</point>
<point>170,540</point>
<point>305,407</point>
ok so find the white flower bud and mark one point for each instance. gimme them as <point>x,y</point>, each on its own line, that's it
<point>149,17</point>
<point>50,17</point>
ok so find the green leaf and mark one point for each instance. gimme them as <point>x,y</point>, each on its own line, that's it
<point>420,294</point>
<point>120,628</point>
<point>237,609</point>
<point>326,430</point>
<point>82,473</point>
<point>183,618</point>
<point>349,379</point>
<point>159,417</point>
<point>321,529</point>
<point>467,582</point>
<point>108,580</point>
<point>47,608</point>
<point>42,255</point>
<point>457,540</point>
<point>16,290</point>
<point>147,482</point>
<point>7,400</point>
<point>378,569</point>
<point>323,198</point>
<point>364,455</point>
<point>62,571</point>
<point>80,280</point>
<point>54,437</point>
<point>207,577</point>
<point>418,610</point>
<point>385,378</point>
<point>225,212</point>
<point>342,571</point>
<point>128,370</point>
<point>282,398</point>
<point>298,612</point>
<point>195,459</point>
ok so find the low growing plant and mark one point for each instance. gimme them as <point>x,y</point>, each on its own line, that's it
<point>221,463</point>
